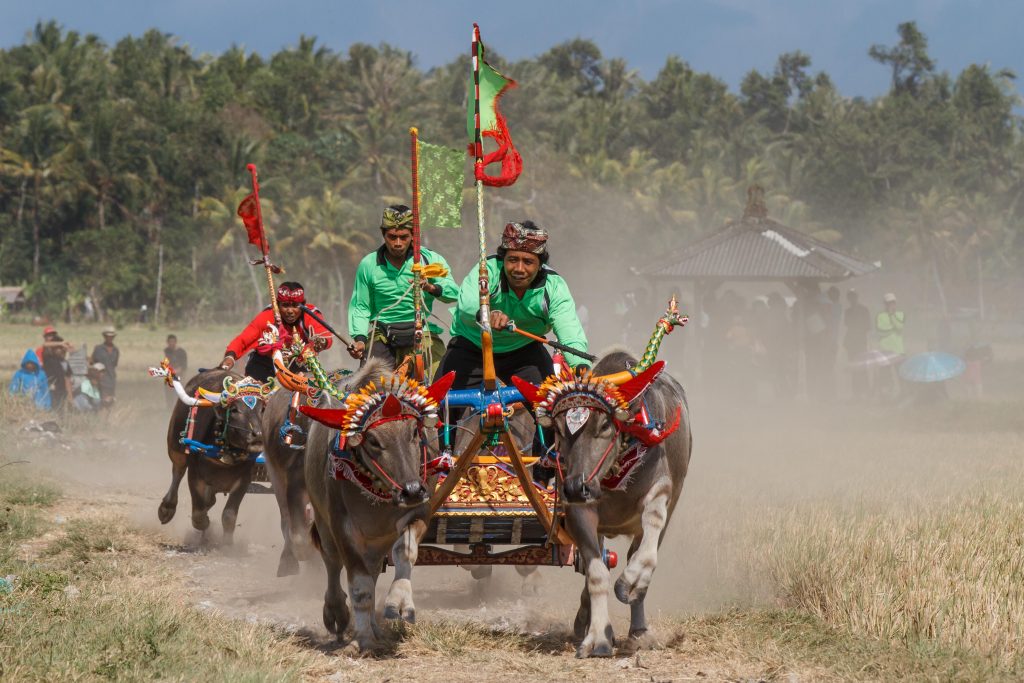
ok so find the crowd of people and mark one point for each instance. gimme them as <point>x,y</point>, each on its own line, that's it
<point>750,345</point>
<point>47,378</point>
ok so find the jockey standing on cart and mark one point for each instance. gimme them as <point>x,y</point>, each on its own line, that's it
<point>295,324</point>
<point>524,290</point>
<point>381,314</point>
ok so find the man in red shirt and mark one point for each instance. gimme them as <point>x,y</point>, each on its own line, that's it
<point>294,324</point>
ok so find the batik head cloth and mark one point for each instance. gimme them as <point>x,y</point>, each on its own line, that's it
<point>518,237</point>
<point>396,216</point>
<point>289,295</point>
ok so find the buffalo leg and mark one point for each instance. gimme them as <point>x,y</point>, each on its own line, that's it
<point>637,618</point>
<point>288,564</point>
<point>169,504</point>
<point>632,585</point>
<point>399,600</point>
<point>362,583</point>
<point>582,523</point>
<point>229,516</point>
<point>202,500</point>
<point>336,614</point>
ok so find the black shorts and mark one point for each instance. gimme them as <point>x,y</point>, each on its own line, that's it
<point>531,362</point>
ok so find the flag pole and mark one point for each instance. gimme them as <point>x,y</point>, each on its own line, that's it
<point>417,298</point>
<point>264,244</point>
<point>486,342</point>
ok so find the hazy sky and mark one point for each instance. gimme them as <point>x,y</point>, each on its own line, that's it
<point>725,37</point>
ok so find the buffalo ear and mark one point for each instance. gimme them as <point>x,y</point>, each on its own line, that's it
<point>636,386</point>
<point>332,417</point>
<point>392,407</point>
<point>439,389</point>
<point>530,392</point>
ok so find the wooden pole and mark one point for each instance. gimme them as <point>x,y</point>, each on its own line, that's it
<point>159,283</point>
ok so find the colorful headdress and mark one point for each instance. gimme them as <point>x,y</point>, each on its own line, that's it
<point>394,398</point>
<point>518,237</point>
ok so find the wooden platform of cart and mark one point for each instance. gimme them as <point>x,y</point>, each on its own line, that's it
<point>489,512</point>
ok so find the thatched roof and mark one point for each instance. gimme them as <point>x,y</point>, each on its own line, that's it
<point>12,295</point>
<point>757,248</point>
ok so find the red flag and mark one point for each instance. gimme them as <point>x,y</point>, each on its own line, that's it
<point>249,212</point>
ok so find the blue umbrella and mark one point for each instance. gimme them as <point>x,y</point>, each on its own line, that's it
<point>934,366</point>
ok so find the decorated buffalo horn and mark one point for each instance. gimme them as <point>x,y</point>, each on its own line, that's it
<point>530,392</point>
<point>189,400</point>
<point>439,389</point>
<point>636,386</point>
<point>392,407</point>
<point>332,417</point>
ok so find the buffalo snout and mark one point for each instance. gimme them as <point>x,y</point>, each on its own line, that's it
<point>579,491</point>
<point>413,493</point>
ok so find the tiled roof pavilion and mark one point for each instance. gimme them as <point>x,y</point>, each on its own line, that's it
<point>756,248</point>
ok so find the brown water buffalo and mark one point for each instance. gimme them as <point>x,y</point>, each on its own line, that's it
<point>286,467</point>
<point>596,431</point>
<point>370,493</point>
<point>230,424</point>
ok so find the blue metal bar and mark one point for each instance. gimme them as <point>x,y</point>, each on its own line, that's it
<point>478,399</point>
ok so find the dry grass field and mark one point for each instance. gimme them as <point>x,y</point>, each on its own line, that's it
<point>848,543</point>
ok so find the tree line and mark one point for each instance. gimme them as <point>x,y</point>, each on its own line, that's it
<point>123,163</point>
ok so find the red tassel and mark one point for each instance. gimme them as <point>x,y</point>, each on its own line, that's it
<point>511,161</point>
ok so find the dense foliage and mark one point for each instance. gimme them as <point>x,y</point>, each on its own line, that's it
<point>112,155</point>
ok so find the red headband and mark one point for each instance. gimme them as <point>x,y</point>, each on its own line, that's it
<point>287,295</point>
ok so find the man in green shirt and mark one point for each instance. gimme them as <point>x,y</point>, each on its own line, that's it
<point>523,290</point>
<point>889,324</point>
<point>382,305</point>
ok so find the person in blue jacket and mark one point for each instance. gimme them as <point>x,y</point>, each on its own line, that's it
<point>30,380</point>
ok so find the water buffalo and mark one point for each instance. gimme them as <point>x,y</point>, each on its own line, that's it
<point>220,419</point>
<point>622,472</point>
<point>286,467</point>
<point>369,487</point>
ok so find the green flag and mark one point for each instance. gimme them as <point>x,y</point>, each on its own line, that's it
<point>492,86</point>
<point>441,177</point>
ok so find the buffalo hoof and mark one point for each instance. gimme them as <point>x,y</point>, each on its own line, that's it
<point>628,594</point>
<point>288,566</point>
<point>336,618</point>
<point>166,511</point>
<point>593,647</point>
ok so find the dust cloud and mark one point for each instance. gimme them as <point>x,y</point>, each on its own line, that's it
<point>760,449</point>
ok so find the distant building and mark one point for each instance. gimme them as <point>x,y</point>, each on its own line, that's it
<point>12,298</point>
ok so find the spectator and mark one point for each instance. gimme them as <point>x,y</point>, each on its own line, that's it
<point>178,359</point>
<point>857,321</point>
<point>30,381</point>
<point>58,372</point>
<point>107,354</point>
<point>889,324</point>
<point>49,333</point>
<point>176,355</point>
<point>87,396</point>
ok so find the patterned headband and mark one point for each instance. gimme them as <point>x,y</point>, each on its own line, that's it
<point>287,295</point>
<point>395,218</point>
<point>519,238</point>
